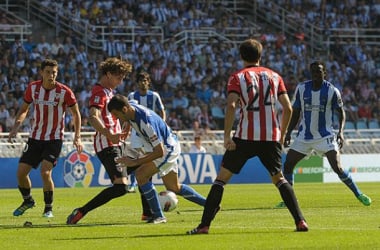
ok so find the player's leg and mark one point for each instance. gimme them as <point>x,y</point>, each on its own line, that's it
<point>29,159</point>
<point>143,176</point>
<point>133,184</point>
<point>171,183</point>
<point>50,154</point>
<point>24,186</point>
<point>232,163</point>
<point>119,187</point>
<point>333,157</point>
<point>271,159</point>
<point>48,187</point>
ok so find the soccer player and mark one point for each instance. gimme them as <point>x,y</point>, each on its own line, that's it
<point>162,151</point>
<point>258,132</point>
<point>152,100</point>
<point>50,100</point>
<point>314,101</point>
<point>108,136</point>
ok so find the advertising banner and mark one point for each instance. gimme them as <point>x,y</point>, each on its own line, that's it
<point>363,168</point>
<point>85,170</point>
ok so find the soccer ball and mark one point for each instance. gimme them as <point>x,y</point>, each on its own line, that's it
<point>168,200</point>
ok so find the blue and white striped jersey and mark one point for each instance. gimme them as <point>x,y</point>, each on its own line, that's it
<point>151,100</point>
<point>152,129</point>
<point>316,109</point>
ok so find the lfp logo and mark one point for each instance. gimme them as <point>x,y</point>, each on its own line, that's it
<point>78,169</point>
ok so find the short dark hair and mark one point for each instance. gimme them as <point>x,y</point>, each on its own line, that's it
<point>250,50</point>
<point>49,62</point>
<point>117,102</point>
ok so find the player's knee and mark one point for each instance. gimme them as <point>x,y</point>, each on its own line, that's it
<point>119,189</point>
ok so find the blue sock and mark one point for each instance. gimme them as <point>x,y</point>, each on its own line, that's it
<point>190,194</point>
<point>289,178</point>
<point>151,196</point>
<point>346,178</point>
<point>133,179</point>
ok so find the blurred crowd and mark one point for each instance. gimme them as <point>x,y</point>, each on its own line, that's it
<point>191,78</point>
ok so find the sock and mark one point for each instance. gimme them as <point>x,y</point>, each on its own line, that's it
<point>346,178</point>
<point>104,196</point>
<point>212,203</point>
<point>151,196</point>
<point>190,194</point>
<point>288,196</point>
<point>25,192</point>
<point>48,199</point>
<point>133,179</point>
<point>145,205</point>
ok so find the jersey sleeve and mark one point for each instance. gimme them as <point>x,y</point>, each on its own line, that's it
<point>28,97</point>
<point>281,87</point>
<point>98,99</point>
<point>70,97</point>
<point>152,135</point>
<point>336,101</point>
<point>159,104</point>
<point>297,98</point>
<point>233,84</point>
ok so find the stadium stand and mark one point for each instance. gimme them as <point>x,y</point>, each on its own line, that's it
<point>199,39</point>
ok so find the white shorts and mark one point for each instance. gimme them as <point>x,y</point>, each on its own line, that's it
<point>169,161</point>
<point>320,146</point>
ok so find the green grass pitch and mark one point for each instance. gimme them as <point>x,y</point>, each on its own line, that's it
<point>247,221</point>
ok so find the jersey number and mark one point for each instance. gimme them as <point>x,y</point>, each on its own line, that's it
<point>253,105</point>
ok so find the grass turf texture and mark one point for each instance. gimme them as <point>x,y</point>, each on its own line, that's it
<point>337,220</point>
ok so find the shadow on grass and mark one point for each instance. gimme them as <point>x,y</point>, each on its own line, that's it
<point>55,225</point>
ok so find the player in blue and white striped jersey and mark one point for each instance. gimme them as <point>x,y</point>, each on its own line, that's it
<point>152,100</point>
<point>315,102</point>
<point>162,152</point>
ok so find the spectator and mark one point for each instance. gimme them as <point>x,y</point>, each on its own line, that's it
<point>365,111</point>
<point>194,109</point>
<point>197,146</point>
<point>180,101</point>
<point>173,79</point>
<point>43,44</point>
<point>4,115</point>
<point>205,93</point>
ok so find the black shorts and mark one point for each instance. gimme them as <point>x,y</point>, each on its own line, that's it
<point>268,152</point>
<point>107,157</point>
<point>37,150</point>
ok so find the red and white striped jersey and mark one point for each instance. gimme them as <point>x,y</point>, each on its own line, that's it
<point>259,88</point>
<point>49,109</point>
<point>99,99</point>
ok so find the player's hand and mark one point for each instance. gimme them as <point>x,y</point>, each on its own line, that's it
<point>126,161</point>
<point>340,140</point>
<point>78,144</point>
<point>11,135</point>
<point>287,139</point>
<point>229,144</point>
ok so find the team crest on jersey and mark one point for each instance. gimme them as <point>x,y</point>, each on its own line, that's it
<point>97,99</point>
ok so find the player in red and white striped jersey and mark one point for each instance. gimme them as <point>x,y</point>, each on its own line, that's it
<point>257,89</point>
<point>50,99</point>
<point>107,140</point>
